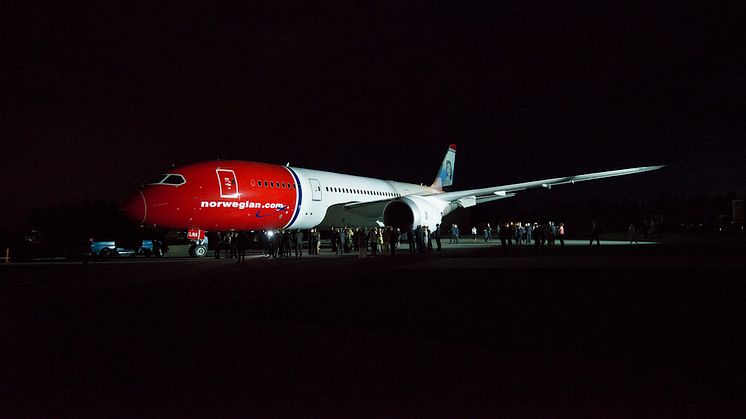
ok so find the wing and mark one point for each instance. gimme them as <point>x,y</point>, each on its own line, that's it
<point>444,202</point>
<point>472,197</point>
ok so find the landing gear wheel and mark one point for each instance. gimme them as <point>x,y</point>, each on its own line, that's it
<point>198,251</point>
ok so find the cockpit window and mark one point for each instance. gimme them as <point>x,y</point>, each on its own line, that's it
<point>174,180</point>
<point>156,181</point>
<point>168,179</point>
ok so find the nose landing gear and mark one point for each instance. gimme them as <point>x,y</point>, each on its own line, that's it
<point>197,250</point>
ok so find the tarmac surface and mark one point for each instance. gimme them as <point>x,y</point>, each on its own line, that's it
<point>656,330</point>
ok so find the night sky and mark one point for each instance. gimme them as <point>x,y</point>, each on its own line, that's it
<point>98,99</point>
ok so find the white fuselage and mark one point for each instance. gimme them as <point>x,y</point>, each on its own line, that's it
<point>322,190</point>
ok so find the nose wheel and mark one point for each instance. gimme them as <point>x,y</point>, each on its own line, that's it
<point>197,250</point>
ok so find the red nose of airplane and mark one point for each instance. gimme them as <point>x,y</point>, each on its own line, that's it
<point>136,208</point>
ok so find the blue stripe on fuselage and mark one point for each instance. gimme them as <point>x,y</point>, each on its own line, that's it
<point>300,197</point>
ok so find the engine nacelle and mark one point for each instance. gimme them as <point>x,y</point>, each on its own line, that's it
<point>413,210</point>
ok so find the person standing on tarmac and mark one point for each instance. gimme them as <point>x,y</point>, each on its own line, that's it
<point>595,233</point>
<point>218,243</point>
<point>227,239</point>
<point>233,245</point>
<point>373,240</point>
<point>505,235</point>
<point>91,254</point>
<point>311,242</point>
<point>428,240</point>
<point>418,239</point>
<point>632,234</point>
<point>342,240</point>
<point>385,239</point>
<point>454,234</point>
<point>362,242</point>
<point>394,240</point>
<point>298,243</point>
<point>242,242</point>
<point>410,240</point>
<point>333,241</point>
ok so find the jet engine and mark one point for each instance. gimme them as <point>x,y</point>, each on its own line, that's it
<point>413,210</point>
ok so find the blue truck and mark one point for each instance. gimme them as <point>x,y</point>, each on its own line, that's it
<point>107,249</point>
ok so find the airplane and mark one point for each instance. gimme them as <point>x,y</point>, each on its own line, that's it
<point>243,195</point>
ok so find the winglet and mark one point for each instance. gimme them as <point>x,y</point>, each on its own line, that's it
<point>445,174</point>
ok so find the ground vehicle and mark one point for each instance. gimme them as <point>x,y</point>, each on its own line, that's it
<point>107,249</point>
<point>152,248</point>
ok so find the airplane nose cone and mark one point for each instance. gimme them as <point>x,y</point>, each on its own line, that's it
<point>136,208</point>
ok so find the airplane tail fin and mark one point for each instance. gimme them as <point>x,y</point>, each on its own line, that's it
<point>445,175</point>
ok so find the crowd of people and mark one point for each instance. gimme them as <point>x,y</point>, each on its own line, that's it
<point>379,240</point>
<point>233,243</point>
<point>543,235</point>
<point>388,240</point>
<point>363,241</point>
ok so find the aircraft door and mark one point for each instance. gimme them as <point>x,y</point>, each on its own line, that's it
<point>315,189</point>
<point>228,183</point>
